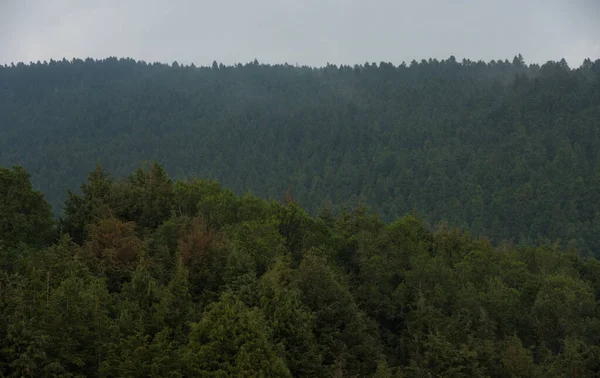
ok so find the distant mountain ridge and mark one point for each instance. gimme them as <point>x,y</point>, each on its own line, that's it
<point>502,148</point>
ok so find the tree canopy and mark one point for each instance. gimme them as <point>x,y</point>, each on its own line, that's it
<point>158,277</point>
<point>501,148</point>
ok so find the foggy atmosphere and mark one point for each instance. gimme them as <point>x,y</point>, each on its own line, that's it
<point>335,188</point>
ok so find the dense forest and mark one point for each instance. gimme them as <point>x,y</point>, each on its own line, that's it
<point>147,276</point>
<point>501,148</point>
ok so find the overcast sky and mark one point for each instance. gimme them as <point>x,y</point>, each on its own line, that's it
<point>311,32</point>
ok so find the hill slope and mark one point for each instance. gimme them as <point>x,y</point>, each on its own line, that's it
<point>500,148</point>
<point>185,279</point>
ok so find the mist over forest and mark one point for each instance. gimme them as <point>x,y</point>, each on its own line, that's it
<point>501,148</point>
<point>434,218</point>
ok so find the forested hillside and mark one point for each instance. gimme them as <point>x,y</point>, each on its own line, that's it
<point>150,277</point>
<point>502,149</point>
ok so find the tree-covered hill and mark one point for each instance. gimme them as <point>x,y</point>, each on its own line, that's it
<point>150,277</point>
<point>502,149</point>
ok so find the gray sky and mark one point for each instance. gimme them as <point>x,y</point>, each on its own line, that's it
<point>311,32</point>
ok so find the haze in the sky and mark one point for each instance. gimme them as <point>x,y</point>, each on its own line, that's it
<point>311,32</point>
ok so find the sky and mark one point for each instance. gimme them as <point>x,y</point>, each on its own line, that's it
<point>305,32</point>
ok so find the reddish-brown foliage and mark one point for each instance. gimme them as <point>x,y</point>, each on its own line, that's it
<point>115,240</point>
<point>195,241</point>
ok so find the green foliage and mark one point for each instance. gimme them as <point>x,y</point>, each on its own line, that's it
<point>504,149</point>
<point>347,337</point>
<point>152,277</point>
<point>232,340</point>
<point>291,320</point>
<point>25,217</point>
<point>82,210</point>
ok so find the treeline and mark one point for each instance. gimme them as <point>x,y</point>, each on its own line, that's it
<point>147,276</point>
<point>502,149</point>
